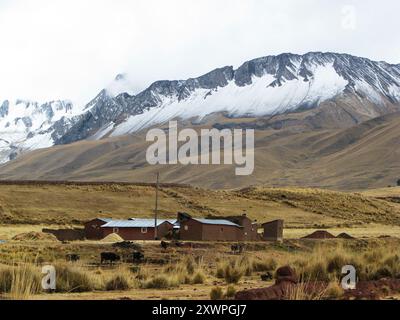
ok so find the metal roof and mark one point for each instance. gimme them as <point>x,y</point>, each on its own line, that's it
<point>135,223</point>
<point>220,222</point>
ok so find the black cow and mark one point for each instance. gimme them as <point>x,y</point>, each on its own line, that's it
<point>266,277</point>
<point>164,245</point>
<point>137,256</point>
<point>72,257</point>
<point>109,256</point>
<point>237,248</point>
<point>183,244</point>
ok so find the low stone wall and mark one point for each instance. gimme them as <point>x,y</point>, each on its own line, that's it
<point>67,234</point>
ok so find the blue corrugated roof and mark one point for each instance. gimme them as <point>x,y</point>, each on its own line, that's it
<point>217,222</point>
<point>135,223</point>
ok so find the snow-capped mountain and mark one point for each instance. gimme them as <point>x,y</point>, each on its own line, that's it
<point>265,86</point>
<point>27,125</point>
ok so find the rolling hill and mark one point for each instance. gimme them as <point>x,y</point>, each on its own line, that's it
<point>360,157</point>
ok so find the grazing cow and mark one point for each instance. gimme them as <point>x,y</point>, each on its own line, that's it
<point>164,245</point>
<point>72,257</point>
<point>137,256</point>
<point>266,277</point>
<point>109,256</point>
<point>183,244</point>
<point>237,248</point>
<point>178,244</point>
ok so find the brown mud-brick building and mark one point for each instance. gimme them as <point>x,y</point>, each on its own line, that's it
<point>93,230</point>
<point>194,229</point>
<point>249,228</point>
<point>273,231</point>
<point>138,229</point>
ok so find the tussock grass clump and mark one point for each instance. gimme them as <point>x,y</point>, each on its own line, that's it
<point>76,279</point>
<point>302,292</point>
<point>232,274</point>
<point>160,282</point>
<point>188,271</point>
<point>233,270</point>
<point>230,292</point>
<point>6,277</point>
<point>198,278</point>
<point>142,273</point>
<point>220,272</point>
<point>216,293</point>
<point>265,265</point>
<point>334,290</point>
<point>20,281</point>
<point>118,282</point>
<point>335,263</point>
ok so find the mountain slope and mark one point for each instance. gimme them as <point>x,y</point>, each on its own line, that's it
<point>345,89</point>
<point>264,86</point>
<point>360,157</point>
<point>27,125</point>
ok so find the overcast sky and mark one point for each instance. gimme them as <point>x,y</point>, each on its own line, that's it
<point>71,49</point>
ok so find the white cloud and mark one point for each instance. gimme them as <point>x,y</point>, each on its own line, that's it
<point>71,49</point>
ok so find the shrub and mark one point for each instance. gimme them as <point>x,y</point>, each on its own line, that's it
<point>216,294</point>
<point>373,256</point>
<point>302,292</point>
<point>335,264</point>
<point>75,279</point>
<point>198,278</point>
<point>230,292</point>
<point>220,273</point>
<point>118,282</point>
<point>232,274</point>
<point>6,277</point>
<point>334,290</point>
<point>160,282</point>
<point>20,281</point>
<point>265,265</point>
<point>190,265</point>
<point>382,272</point>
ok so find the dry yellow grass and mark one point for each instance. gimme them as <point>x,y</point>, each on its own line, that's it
<point>180,275</point>
<point>70,205</point>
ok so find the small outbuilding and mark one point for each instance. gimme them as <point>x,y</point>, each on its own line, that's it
<point>138,229</point>
<point>194,229</point>
<point>249,227</point>
<point>273,230</point>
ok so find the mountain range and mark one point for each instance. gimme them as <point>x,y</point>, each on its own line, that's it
<point>327,102</point>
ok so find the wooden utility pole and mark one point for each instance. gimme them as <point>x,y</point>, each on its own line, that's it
<point>156,210</point>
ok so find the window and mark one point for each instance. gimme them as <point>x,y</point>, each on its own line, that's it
<point>115,230</point>
<point>186,228</point>
<point>144,230</point>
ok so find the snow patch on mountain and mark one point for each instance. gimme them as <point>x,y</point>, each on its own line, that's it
<point>26,125</point>
<point>259,98</point>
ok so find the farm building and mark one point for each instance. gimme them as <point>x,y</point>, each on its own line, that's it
<point>138,229</point>
<point>273,231</point>
<point>208,229</point>
<point>249,227</point>
<point>93,229</point>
